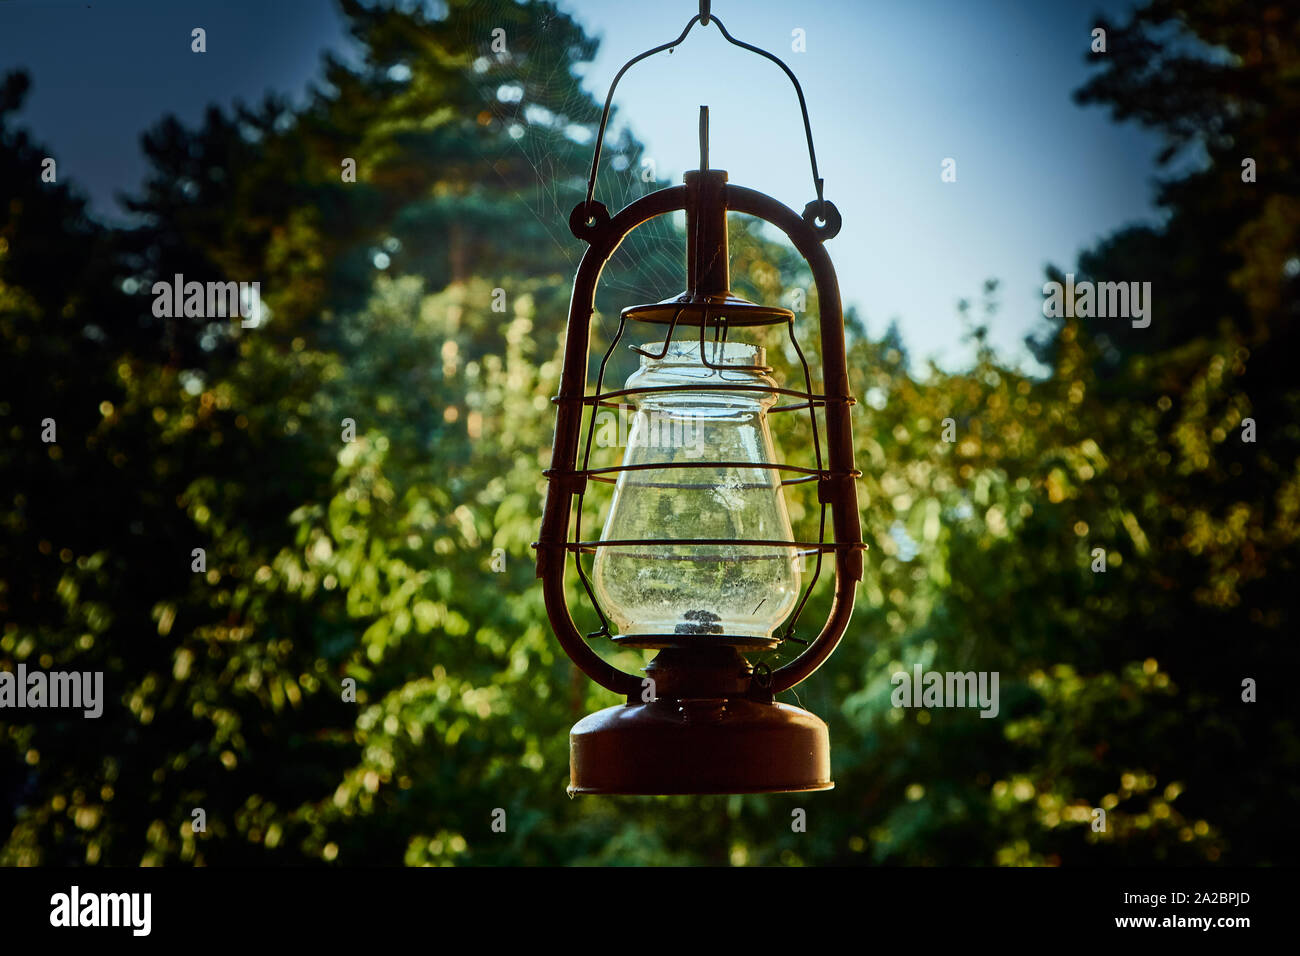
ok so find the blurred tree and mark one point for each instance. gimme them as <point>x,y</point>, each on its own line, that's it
<point>203,434</point>
<point>1201,505</point>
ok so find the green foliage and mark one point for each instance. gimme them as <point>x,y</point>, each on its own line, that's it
<point>401,560</point>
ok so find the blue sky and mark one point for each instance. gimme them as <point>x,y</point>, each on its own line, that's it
<point>894,87</point>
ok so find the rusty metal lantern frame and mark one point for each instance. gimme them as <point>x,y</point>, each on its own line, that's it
<point>748,743</point>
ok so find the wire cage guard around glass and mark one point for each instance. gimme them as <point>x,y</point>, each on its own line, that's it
<point>698,322</point>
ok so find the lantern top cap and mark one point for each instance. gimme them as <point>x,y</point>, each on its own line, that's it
<point>726,310</point>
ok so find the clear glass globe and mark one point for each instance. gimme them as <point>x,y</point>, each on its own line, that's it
<point>729,591</point>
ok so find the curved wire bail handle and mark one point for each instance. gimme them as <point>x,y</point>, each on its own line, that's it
<point>589,216</point>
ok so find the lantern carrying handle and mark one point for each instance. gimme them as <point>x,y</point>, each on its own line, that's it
<point>824,216</point>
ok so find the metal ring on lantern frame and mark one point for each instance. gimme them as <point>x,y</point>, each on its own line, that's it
<point>591,222</point>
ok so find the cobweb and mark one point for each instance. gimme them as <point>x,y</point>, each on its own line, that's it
<point>649,265</point>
